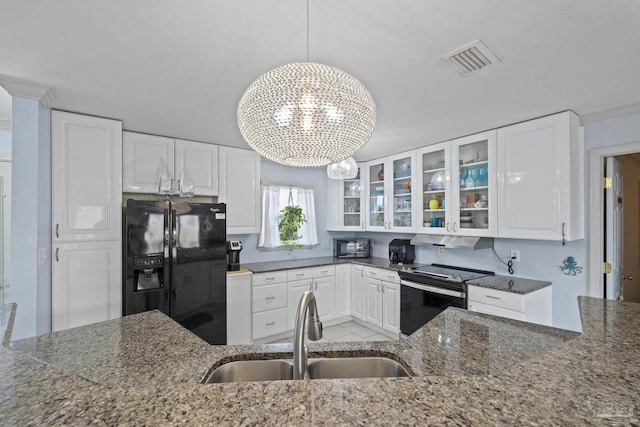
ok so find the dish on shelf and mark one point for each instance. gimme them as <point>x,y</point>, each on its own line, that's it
<point>438,180</point>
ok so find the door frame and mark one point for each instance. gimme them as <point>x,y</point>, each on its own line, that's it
<point>596,218</point>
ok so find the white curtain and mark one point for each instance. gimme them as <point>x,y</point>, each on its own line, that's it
<point>274,199</point>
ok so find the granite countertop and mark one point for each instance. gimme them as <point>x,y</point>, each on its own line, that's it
<point>513,284</point>
<point>469,369</point>
<point>7,317</point>
<point>265,267</point>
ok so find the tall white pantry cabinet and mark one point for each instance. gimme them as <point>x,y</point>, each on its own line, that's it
<point>86,180</point>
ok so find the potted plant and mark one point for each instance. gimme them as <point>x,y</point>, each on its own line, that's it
<point>291,219</point>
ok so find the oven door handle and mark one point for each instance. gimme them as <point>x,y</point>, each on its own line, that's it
<point>433,289</point>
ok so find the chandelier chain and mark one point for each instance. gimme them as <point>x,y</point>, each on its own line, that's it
<point>307,30</point>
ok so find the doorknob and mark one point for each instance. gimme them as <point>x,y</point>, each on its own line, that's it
<point>627,277</point>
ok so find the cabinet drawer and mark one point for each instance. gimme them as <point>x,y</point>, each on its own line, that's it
<point>479,307</point>
<point>372,272</point>
<point>507,300</point>
<point>299,274</point>
<point>269,323</point>
<point>324,271</point>
<point>269,278</point>
<point>269,297</point>
<point>391,276</point>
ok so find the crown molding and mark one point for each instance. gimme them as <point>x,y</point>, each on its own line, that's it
<point>615,113</point>
<point>28,89</point>
<point>5,124</point>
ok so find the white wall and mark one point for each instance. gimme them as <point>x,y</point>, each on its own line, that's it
<point>31,218</point>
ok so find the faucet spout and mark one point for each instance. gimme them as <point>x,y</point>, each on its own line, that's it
<point>307,304</point>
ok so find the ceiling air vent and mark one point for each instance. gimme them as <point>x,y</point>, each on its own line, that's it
<point>472,57</point>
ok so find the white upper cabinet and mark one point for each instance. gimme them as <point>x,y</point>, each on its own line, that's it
<point>390,193</point>
<point>198,162</point>
<point>147,158</point>
<point>144,159</point>
<point>240,189</point>
<point>541,173</point>
<point>458,186</point>
<point>86,177</point>
<point>347,214</point>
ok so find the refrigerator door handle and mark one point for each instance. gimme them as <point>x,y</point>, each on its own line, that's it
<point>173,228</point>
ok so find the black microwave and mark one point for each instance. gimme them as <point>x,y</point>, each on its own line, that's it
<point>352,248</point>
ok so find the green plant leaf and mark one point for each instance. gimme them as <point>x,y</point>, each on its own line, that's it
<point>291,219</point>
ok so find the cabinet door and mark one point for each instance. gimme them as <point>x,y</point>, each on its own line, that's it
<point>373,301</point>
<point>402,185</point>
<point>145,158</point>
<point>86,283</point>
<point>474,185</point>
<point>197,161</point>
<point>343,290</point>
<point>352,200</point>
<point>324,289</point>
<point>376,219</point>
<point>86,175</point>
<point>294,293</point>
<point>240,189</point>
<point>239,308</point>
<point>434,166</point>
<point>540,164</point>
<point>391,307</point>
<point>357,291</point>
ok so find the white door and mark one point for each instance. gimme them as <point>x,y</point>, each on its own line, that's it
<point>357,291</point>
<point>324,289</point>
<point>240,189</point>
<point>373,302</point>
<point>144,159</point>
<point>197,162</point>
<point>343,289</point>
<point>295,290</point>
<point>86,177</point>
<point>86,284</point>
<point>391,307</point>
<point>613,229</point>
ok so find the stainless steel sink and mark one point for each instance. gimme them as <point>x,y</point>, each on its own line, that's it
<point>318,368</point>
<point>252,370</point>
<point>355,367</point>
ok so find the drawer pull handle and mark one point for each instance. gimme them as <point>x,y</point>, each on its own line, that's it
<point>324,271</point>
<point>269,298</point>
<point>300,275</point>
<point>492,297</point>
<point>270,323</point>
<point>269,278</point>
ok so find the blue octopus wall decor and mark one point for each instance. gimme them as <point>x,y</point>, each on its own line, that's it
<point>570,267</point>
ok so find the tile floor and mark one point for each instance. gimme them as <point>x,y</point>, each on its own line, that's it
<point>343,332</point>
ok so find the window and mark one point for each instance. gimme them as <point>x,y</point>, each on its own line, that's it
<point>274,199</point>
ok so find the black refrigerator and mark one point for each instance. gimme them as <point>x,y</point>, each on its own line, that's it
<point>175,257</point>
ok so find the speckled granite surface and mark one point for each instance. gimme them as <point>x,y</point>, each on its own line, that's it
<point>470,369</point>
<point>7,317</point>
<point>264,267</point>
<point>513,284</point>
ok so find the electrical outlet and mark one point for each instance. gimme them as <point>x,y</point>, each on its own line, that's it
<point>42,256</point>
<point>515,255</point>
<point>440,251</point>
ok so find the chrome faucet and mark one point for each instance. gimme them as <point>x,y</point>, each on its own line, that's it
<point>300,351</point>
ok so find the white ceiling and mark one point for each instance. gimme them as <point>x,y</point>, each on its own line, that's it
<point>178,68</point>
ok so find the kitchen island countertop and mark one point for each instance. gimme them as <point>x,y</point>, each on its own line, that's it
<point>468,368</point>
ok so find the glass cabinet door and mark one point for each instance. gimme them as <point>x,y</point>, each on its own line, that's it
<point>402,189</point>
<point>376,218</point>
<point>435,189</point>
<point>476,184</point>
<point>351,207</point>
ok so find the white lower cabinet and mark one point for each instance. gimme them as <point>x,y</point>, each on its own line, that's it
<point>534,307</point>
<point>295,290</point>
<point>239,308</point>
<point>324,290</point>
<point>382,299</point>
<point>86,285</point>
<point>343,290</point>
<point>357,291</point>
<point>269,304</point>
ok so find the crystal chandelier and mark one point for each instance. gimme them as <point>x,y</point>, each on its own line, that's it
<point>345,169</point>
<point>306,114</point>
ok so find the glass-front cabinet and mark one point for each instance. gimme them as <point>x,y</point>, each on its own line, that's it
<point>351,215</point>
<point>391,193</point>
<point>458,180</point>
